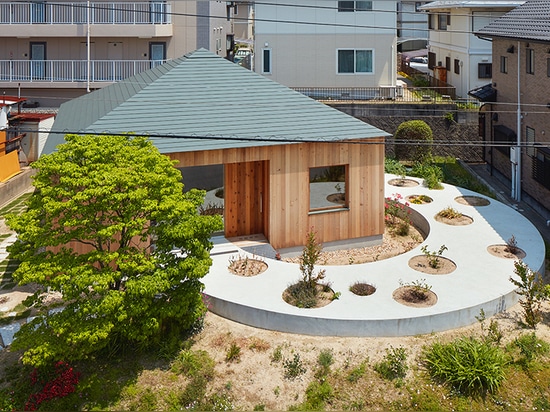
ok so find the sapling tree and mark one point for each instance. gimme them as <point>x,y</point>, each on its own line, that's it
<point>310,255</point>
<point>532,292</point>
<point>111,230</point>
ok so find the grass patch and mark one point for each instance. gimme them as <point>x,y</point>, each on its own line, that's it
<point>16,205</point>
<point>455,174</point>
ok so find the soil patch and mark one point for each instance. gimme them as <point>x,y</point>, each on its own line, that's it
<point>472,201</point>
<point>392,245</point>
<point>362,289</point>
<point>410,296</point>
<point>503,251</point>
<point>247,266</point>
<point>422,264</point>
<point>403,182</point>
<point>419,199</point>
<point>462,220</point>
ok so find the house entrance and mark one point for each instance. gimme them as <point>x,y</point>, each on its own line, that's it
<point>246,194</point>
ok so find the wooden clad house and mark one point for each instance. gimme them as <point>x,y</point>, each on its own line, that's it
<point>204,110</point>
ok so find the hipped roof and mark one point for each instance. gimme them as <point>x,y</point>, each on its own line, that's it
<point>204,102</point>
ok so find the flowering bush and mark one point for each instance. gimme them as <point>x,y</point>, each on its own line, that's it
<point>62,384</point>
<point>396,214</point>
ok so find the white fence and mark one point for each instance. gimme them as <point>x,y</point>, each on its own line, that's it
<point>154,12</point>
<point>72,70</point>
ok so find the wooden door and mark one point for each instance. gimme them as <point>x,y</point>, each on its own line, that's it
<point>245,195</point>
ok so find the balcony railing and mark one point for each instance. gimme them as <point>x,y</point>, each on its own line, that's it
<point>154,12</point>
<point>72,70</point>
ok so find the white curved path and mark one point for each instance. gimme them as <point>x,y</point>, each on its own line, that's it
<point>481,280</point>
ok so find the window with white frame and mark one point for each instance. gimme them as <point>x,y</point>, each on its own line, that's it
<point>347,6</point>
<point>355,61</point>
<point>266,61</point>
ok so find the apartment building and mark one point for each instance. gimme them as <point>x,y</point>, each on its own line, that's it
<point>517,105</point>
<point>320,43</point>
<point>412,26</point>
<point>455,54</point>
<point>52,52</point>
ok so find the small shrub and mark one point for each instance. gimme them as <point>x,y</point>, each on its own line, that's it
<point>394,167</point>
<point>419,289</point>
<point>471,366</point>
<point>310,256</point>
<point>194,363</point>
<point>532,292</point>
<point>324,361</point>
<point>449,213</point>
<point>277,354</point>
<point>211,209</point>
<point>420,199</point>
<point>293,367</point>
<point>233,354</point>
<point>317,395</point>
<point>362,289</point>
<point>432,256</point>
<point>413,141</point>
<point>530,347</point>
<point>393,365</point>
<point>396,214</point>
<point>356,373</point>
<point>512,245</point>
<point>492,334</point>
<point>432,174</point>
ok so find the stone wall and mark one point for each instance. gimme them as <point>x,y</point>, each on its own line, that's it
<point>457,137</point>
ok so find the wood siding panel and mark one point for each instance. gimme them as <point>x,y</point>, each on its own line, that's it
<point>286,218</point>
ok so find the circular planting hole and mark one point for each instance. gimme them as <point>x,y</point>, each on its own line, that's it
<point>426,264</point>
<point>304,296</point>
<point>412,296</point>
<point>403,182</point>
<point>245,266</point>
<point>472,201</point>
<point>453,217</point>
<point>506,252</point>
<point>362,289</point>
<point>339,198</point>
<point>419,199</point>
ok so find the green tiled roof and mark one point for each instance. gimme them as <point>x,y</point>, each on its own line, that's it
<point>204,102</point>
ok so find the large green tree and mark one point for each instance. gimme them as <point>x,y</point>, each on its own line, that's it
<point>110,228</point>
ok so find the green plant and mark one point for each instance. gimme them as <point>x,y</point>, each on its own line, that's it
<point>233,353</point>
<point>449,213</point>
<point>432,256</point>
<point>396,214</point>
<point>194,363</point>
<point>532,292</point>
<point>259,407</point>
<point>420,199</point>
<point>317,395</point>
<point>471,366</point>
<point>413,141</point>
<point>395,167</point>
<point>324,361</point>
<point>512,245</point>
<point>450,117</point>
<point>418,288</point>
<point>393,365</point>
<point>492,334</point>
<point>277,354</point>
<point>210,209</point>
<point>293,367</point>
<point>431,173</point>
<point>356,373</point>
<point>310,255</point>
<point>530,346</point>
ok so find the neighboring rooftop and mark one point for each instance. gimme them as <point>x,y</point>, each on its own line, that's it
<point>471,4</point>
<point>530,21</point>
<point>204,102</point>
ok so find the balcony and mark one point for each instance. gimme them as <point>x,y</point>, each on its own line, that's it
<point>65,72</point>
<point>43,19</point>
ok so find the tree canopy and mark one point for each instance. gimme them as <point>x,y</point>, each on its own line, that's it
<point>111,230</point>
<point>413,140</point>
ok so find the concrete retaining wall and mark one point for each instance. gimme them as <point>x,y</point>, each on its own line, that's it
<point>16,185</point>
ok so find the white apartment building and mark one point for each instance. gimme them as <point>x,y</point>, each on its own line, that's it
<point>52,52</point>
<point>412,26</point>
<point>326,43</point>
<point>456,55</point>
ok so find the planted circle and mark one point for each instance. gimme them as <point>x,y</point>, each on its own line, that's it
<point>414,297</point>
<point>419,199</point>
<point>426,264</point>
<point>247,267</point>
<point>302,295</point>
<point>362,289</point>
<point>403,182</point>
<point>506,252</point>
<point>462,220</point>
<point>472,200</point>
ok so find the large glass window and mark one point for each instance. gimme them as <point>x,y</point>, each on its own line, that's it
<point>347,6</point>
<point>327,188</point>
<point>355,61</point>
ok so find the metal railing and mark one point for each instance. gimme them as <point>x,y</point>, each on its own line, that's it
<point>72,70</point>
<point>154,12</point>
<point>395,93</point>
